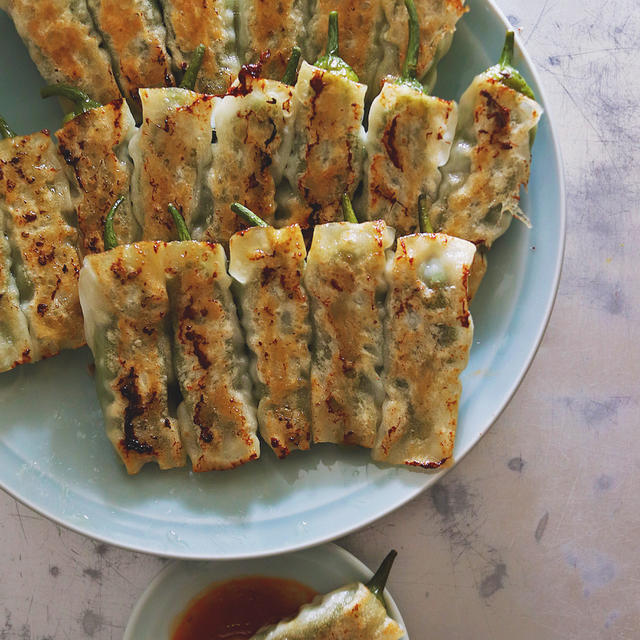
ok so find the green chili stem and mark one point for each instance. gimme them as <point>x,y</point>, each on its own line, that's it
<point>409,69</point>
<point>347,210</point>
<point>110,239</point>
<point>80,99</point>
<point>377,584</point>
<point>290,72</point>
<point>247,215</point>
<point>5,130</point>
<point>506,59</point>
<point>425,222</point>
<point>331,61</point>
<point>191,74</point>
<point>183,232</point>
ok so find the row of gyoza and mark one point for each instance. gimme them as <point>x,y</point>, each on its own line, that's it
<point>353,344</point>
<point>109,47</point>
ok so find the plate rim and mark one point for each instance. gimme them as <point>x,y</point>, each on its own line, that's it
<point>338,554</point>
<point>412,493</point>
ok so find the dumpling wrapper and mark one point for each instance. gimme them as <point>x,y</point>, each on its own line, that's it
<point>64,44</point>
<point>136,40</point>
<point>428,335</point>
<point>126,314</point>
<point>211,23</point>
<point>171,153</point>
<point>37,211</point>
<point>408,139</point>
<point>490,161</point>
<point>95,146</point>
<point>217,416</point>
<point>253,125</point>
<point>349,613</point>
<point>270,26</point>
<point>327,150</point>
<point>268,265</point>
<point>346,286</point>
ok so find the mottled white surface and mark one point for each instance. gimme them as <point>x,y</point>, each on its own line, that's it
<point>535,534</point>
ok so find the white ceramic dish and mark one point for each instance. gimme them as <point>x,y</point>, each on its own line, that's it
<point>323,568</point>
<point>55,458</point>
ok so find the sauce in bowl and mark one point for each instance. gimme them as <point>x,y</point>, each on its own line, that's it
<point>237,609</point>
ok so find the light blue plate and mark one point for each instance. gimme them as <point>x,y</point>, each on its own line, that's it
<point>54,455</point>
<point>324,569</point>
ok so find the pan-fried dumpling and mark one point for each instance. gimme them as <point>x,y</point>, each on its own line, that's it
<point>428,335</point>
<point>64,44</point>
<point>253,125</point>
<point>268,266</point>
<point>346,286</point>
<point>352,613</point>
<point>408,139</point>
<point>95,146</point>
<point>437,19</point>
<point>327,151</point>
<point>127,324</point>
<point>37,211</point>
<point>268,26</point>
<point>171,153</point>
<point>217,416</point>
<point>490,161</point>
<point>136,40</point>
<point>211,23</point>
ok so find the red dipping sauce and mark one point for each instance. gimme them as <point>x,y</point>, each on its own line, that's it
<point>237,609</point>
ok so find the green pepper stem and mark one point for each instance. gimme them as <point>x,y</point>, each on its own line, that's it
<point>247,215</point>
<point>347,210</point>
<point>191,74</point>
<point>290,72</point>
<point>183,232</point>
<point>410,67</point>
<point>425,222</point>
<point>333,39</point>
<point>377,584</point>
<point>80,99</point>
<point>5,130</point>
<point>110,239</point>
<point>506,58</point>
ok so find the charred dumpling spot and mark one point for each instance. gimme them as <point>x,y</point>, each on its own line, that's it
<point>346,287</point>
<point>268,265</point>
<point>216,417</point>
<point>428,333</point>
<point>95,146</point>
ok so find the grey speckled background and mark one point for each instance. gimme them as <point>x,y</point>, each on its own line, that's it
<point>535,535</point>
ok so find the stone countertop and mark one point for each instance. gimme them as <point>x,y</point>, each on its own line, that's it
<point>535,534</point>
